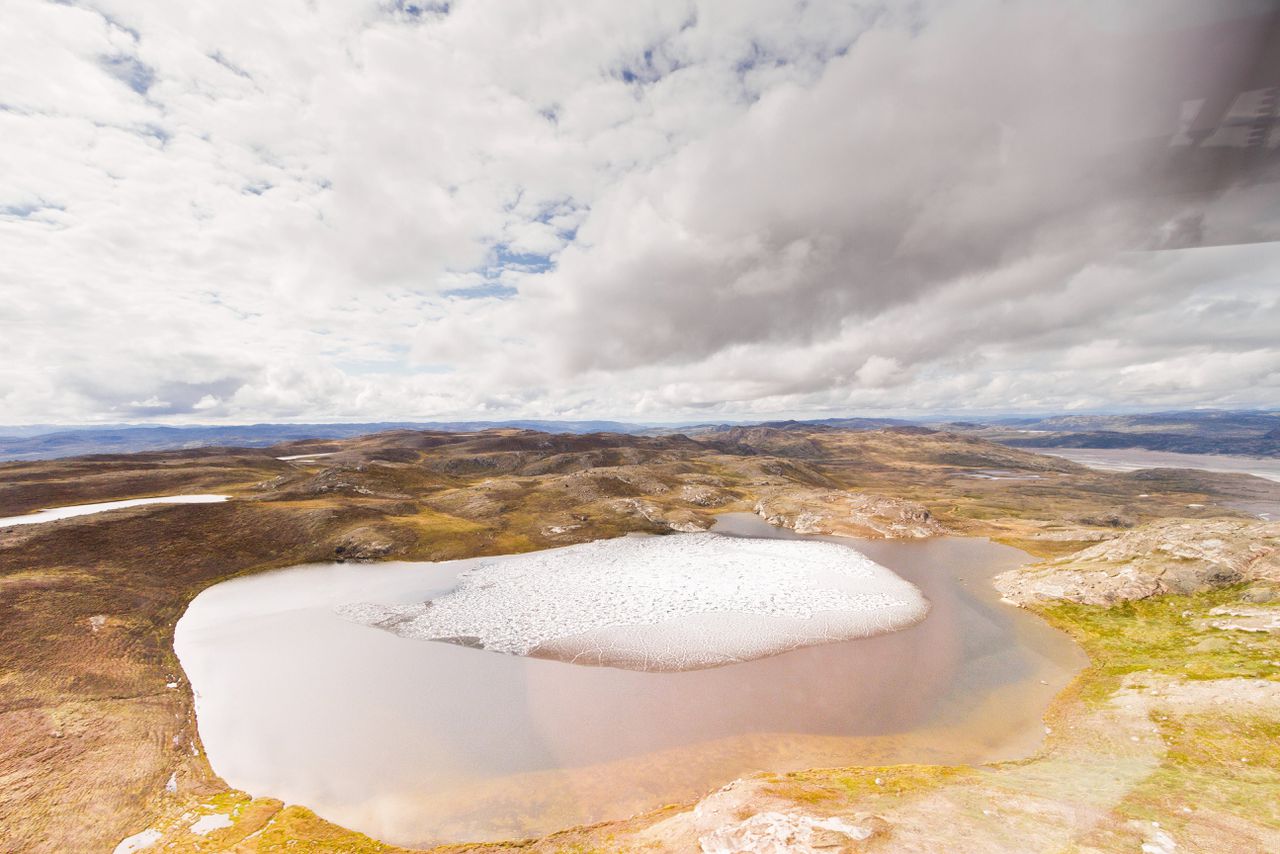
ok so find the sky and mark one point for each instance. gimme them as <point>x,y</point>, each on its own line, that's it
<point>306,210</point>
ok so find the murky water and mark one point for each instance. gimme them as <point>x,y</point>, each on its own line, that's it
<point>415,741</point>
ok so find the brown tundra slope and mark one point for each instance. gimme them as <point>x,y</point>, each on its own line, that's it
<point>97,738</point>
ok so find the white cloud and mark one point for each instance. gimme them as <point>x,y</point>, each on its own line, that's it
<point>257,210</point>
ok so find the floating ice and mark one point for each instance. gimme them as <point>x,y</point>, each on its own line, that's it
<point>678,602</point>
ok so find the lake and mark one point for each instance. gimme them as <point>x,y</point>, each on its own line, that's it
<point>415,742</point>
<point>1133,459</point>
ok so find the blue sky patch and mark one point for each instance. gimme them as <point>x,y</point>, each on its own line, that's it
<point>131,71</point>
<point>489,290</point>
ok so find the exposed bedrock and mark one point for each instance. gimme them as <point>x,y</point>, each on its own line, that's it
<point>370,542</point>
<point>1169,556</point>
<point>848,514</point>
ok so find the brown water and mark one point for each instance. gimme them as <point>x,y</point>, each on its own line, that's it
<point>416,742</point>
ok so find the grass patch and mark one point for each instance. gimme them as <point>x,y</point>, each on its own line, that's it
<point>1164,635</point>
<point>300,831</point>
<point>1227,762</point>
<point>434,523</point>
<point>836,786</point>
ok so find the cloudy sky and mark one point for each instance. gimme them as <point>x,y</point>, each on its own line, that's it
<point>311,210</point>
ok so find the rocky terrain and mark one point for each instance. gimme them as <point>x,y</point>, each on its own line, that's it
<point>1170,556</point>
<point>97,738</point>
<point>1086,792</point>
<point>846,514</point>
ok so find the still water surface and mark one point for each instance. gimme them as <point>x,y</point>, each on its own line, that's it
<point>1133,459</point>
<point>416,742</point>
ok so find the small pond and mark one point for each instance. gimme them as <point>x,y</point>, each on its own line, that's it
<point>415,741</point>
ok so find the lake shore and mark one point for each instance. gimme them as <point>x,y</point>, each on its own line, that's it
<point>583,744</point>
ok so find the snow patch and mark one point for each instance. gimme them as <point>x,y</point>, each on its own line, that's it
<point>54,513</point>
<point>209,823</point>
<point>138,841</point>
<point>783,833</point>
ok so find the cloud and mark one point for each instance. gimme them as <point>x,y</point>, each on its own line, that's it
<point>263,210</point>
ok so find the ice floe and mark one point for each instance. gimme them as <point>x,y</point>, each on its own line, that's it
<point>679,602</point>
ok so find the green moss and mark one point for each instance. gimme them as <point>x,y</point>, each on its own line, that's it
<point>248,816</point>
<point>1226,762</point>
<point>225,802</point>
<point>300,831</point>
<point>1164,635</point>
<point>836,785</point>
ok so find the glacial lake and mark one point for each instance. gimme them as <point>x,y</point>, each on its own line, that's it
<point>417,742</point>
<point>1133,459</point>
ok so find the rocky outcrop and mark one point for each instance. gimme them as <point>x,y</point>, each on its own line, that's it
<point>684,521</point>
<point>793,833</point>
<point>351,480</point>
<point>596,484</point>
<point>1244,618</point>
<point>1170,556</point>
<point>847,514</point>
<point>368,543</point>
<point>1107,519</point>
<point>703,495</point>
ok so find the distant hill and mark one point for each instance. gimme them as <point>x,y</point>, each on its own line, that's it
<point>69,442</point>
<point>1216,424</point>
<point>1249,432</point>
<point>853,424</point>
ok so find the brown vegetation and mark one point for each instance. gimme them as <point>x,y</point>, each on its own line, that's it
<point>97,739</point>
